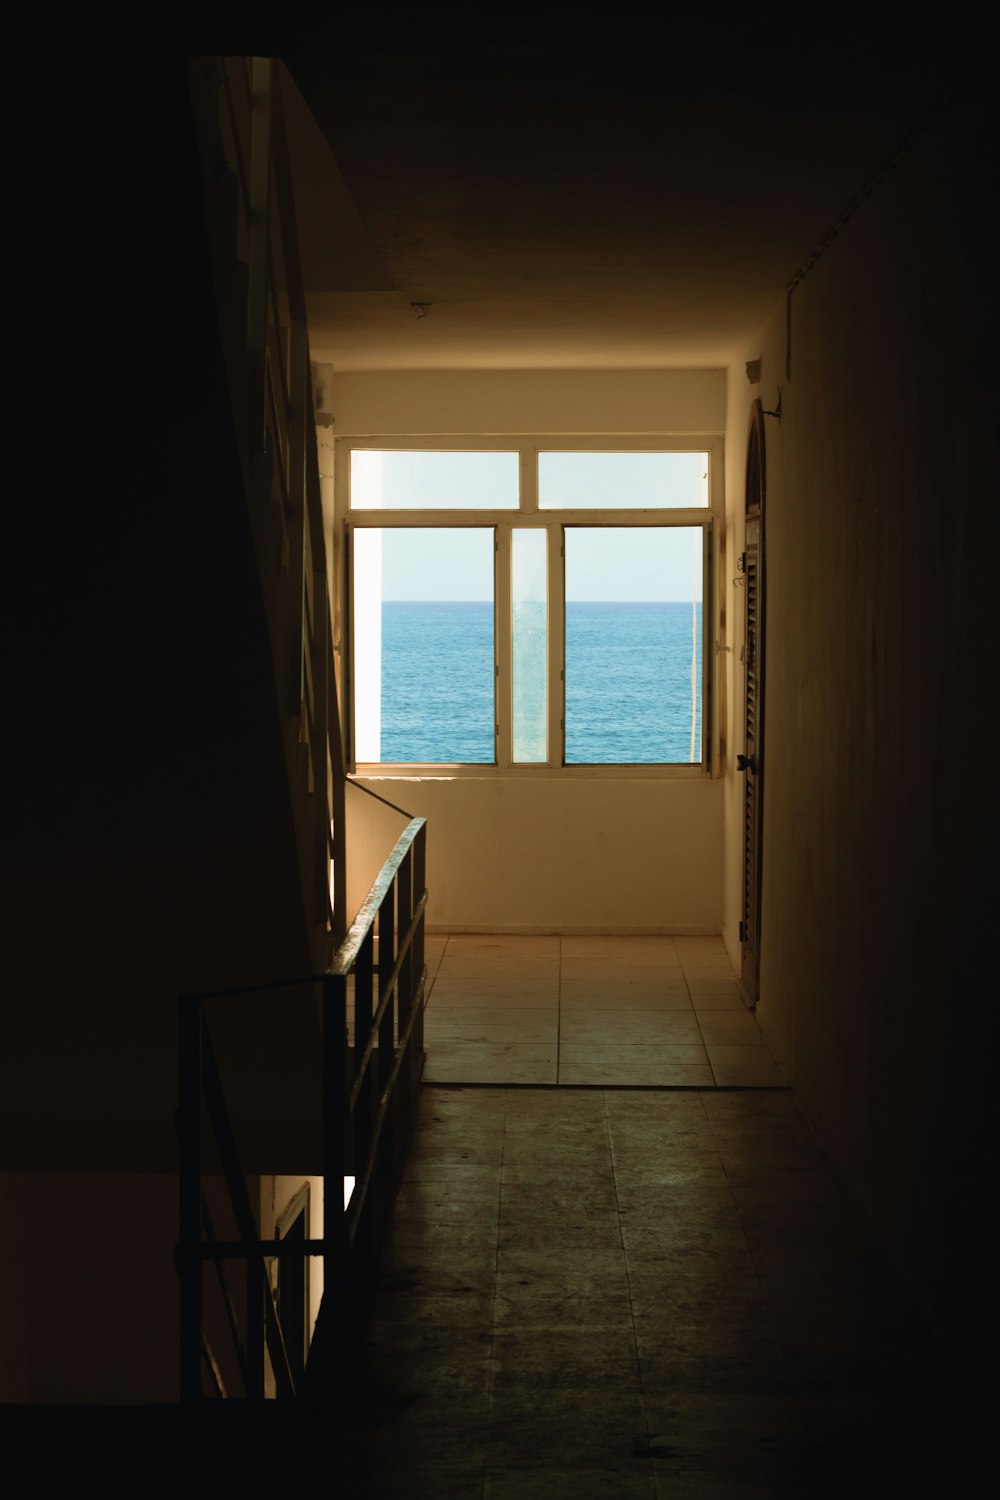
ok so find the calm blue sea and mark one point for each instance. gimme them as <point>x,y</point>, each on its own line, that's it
<point>628,682</point>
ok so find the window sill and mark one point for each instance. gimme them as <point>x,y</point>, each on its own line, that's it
<point>435,772</point>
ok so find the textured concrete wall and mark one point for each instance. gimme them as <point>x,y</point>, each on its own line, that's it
<point>877,852</point>
<point>148,840</point>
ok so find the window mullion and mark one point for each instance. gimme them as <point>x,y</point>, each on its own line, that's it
<point>557,644</point>
<point>529,479</point>
<point>502,646</point>
<point>713,679</point>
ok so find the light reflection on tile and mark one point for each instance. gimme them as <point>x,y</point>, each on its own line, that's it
<point>596,1004</point>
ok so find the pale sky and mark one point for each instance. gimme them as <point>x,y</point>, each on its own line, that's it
<point>602,563</point>
<point>641,563</point>
<point>425,479</point>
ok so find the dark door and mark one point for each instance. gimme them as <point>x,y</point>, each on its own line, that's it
<point>751,762</point>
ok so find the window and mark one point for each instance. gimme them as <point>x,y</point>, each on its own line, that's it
<point>529,604</point>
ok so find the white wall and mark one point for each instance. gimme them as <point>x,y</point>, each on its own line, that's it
<point>276,1194</point>
<point>449,401</point>
<point>553,855</point>
<point>546,853</point>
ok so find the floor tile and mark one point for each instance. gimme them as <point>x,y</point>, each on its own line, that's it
<point>435,1168</point>
<point>701,950</point>
<point>745,1067</point>
<point>723,1000</point>
<point>631,1049</point>
<point>736,1425</point>
<point>513,993</point>
<point>446,1208</point>
<point>600,1234</point>
<point>554,1361</point>
<point>626,1026</point>
<point>717,963</point>
<point>668,1032</point>
<point>574,1001</point>
<point>488,966</point>
<point>736,1370</point>
<point>434,1480</point>
<point>614,970</point>
<point>572,1163</point>
<point>695,1243</point>
<point>579,1429</point>
<point>641,1074</point>
<point>650,1162</point>
<point>639,947</point>
<point>637,984</point>
<point>676,1111</point>
<point>541,1307</point>
<point>467,1063</point>
<point>740,1030</point>
<point>491,1009</point>
<point>582,1013</point>
<point>702,980</point>
<point>554,1203</point>
<point>570,1288</point>
<point>676,1235</point>
<point>548,1483</point>
<point>490,1030</point>
<point>470,1307</point>
<point>660,1187</point>
<point>552,1150</point>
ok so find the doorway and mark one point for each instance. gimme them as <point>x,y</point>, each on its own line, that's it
<point>751,762</point>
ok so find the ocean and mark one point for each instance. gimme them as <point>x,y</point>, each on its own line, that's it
<point>628,682</point>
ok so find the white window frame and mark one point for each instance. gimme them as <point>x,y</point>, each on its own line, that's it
<point>709,518</point>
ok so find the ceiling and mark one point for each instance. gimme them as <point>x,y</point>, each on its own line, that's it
<point>580,199</point>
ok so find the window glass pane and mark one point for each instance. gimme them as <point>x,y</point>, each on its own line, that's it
<point>423,644</point>
<point>587,481</point>
<point>633,644</point>
<point>395,479</point>
<point>529,638</point>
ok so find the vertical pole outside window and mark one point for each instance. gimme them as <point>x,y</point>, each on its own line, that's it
<point>502,632</point>
<point>529,626</point>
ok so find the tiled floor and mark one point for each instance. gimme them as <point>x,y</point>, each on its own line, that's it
<point>615,1011</point>
<point>630,1293</point>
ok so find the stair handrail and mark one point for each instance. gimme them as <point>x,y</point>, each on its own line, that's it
<point>365,1091</point>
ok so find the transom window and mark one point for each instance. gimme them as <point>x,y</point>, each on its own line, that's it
<point>529,604</point>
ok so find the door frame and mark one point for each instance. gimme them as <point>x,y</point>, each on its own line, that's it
<point>751,762</point>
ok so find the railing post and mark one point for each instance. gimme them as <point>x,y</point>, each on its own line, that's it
<point>189,1247</point>
<point>320,750</point>
<point>419,891</point>
<point>405,990</point>
<point>334,1129</point>
<point>255,1340</point>
<point>338,801</point>
<point>364,1117</point>
<point>387,1027</point>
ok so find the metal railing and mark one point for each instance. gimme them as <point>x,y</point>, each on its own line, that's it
<point>372,1058</point>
